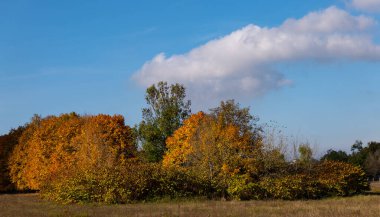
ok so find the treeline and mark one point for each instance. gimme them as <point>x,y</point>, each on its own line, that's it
<point>171,153</point>
<point>366,157</point>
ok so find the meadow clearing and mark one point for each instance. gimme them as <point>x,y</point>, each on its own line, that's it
<point>362,205</point>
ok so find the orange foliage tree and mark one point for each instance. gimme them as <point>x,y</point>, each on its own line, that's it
<point>7,143</point>
<point>55,145</point>
<point>213,148</point>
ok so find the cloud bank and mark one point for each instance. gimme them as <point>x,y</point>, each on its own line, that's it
<point>366,5</point>
<point>240,65</point>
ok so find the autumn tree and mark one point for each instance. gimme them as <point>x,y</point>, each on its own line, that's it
<point>43,141</point>
<point>7,144</point>
<point>104,142</point>
<point>57,145</point>
<point>230,113</point>
<point>214,146</point>
<point>167,108</point>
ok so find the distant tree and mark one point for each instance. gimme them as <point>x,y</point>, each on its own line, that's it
<point>366,157</point>
<point>306,154</point>
<point>166,112</point>
<point>229,112</point>
<point>372,161</point>
<point>373,147</point>
<point>357,146</point>
<point>359,154</point>
<point>333,155</point>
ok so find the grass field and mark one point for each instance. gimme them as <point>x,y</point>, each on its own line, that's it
<point>31,205</point>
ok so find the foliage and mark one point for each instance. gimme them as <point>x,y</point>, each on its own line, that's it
<point>223,154</point>
<point>230,113</point>
<point>335,156</point>
<point>367,157</point>
<point>166,112</point>
<point>215,147</point>
<point>53,145</point>
<point>179,145</point>
<point>341,179</point>
<point>134,181</point>
<point>292,187</point>
<point>242,187</point>
<point>330,178</point>
<point>372,163</point>
<point>306,154</point>
<point>7,144</point>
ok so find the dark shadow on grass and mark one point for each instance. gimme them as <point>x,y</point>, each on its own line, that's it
<point>19,192</point>
<point>371,193</point>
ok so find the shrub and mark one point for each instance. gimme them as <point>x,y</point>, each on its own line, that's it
<point>341,179</point>
<point>134,181</point>
<point>243,188</point>
<point>292,187</point>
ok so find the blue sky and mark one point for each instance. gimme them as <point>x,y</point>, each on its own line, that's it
<point>311,66</point>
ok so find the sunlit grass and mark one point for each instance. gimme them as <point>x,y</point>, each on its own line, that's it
<point>375,186</point>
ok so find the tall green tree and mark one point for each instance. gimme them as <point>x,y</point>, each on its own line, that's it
<point>166,111</point>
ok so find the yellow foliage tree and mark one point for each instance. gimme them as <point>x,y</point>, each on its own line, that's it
<point>211,148</point>
<point>179,144</point>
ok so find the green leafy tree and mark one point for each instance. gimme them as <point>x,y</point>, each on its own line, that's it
<point>306,160</point>
<point>359,154</point>
<point>372,161</point>
<point>167,109</point>
<point>306,153</point>
<point>333,155</point>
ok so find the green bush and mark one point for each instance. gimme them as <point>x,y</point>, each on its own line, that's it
<point>243,188</point>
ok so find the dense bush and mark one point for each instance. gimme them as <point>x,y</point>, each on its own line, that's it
<point>329,178</point>
<point>133,182</point>
<point>289,187</point>
<point>242,187</point>
<point>292,187</point>
<point>341,179</point>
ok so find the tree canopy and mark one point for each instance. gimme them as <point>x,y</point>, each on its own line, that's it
<point>167,109</point>
<point>53,145</point>
<point>215,146</point>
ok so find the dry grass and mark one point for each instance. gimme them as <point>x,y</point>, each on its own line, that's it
<point>375,186</point>
<point>31,205</point>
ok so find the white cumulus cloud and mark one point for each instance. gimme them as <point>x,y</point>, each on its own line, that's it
<point>366,5</point>
<point>240,64</point>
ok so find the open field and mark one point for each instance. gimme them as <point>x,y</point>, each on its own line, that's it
<point>31,205</point>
